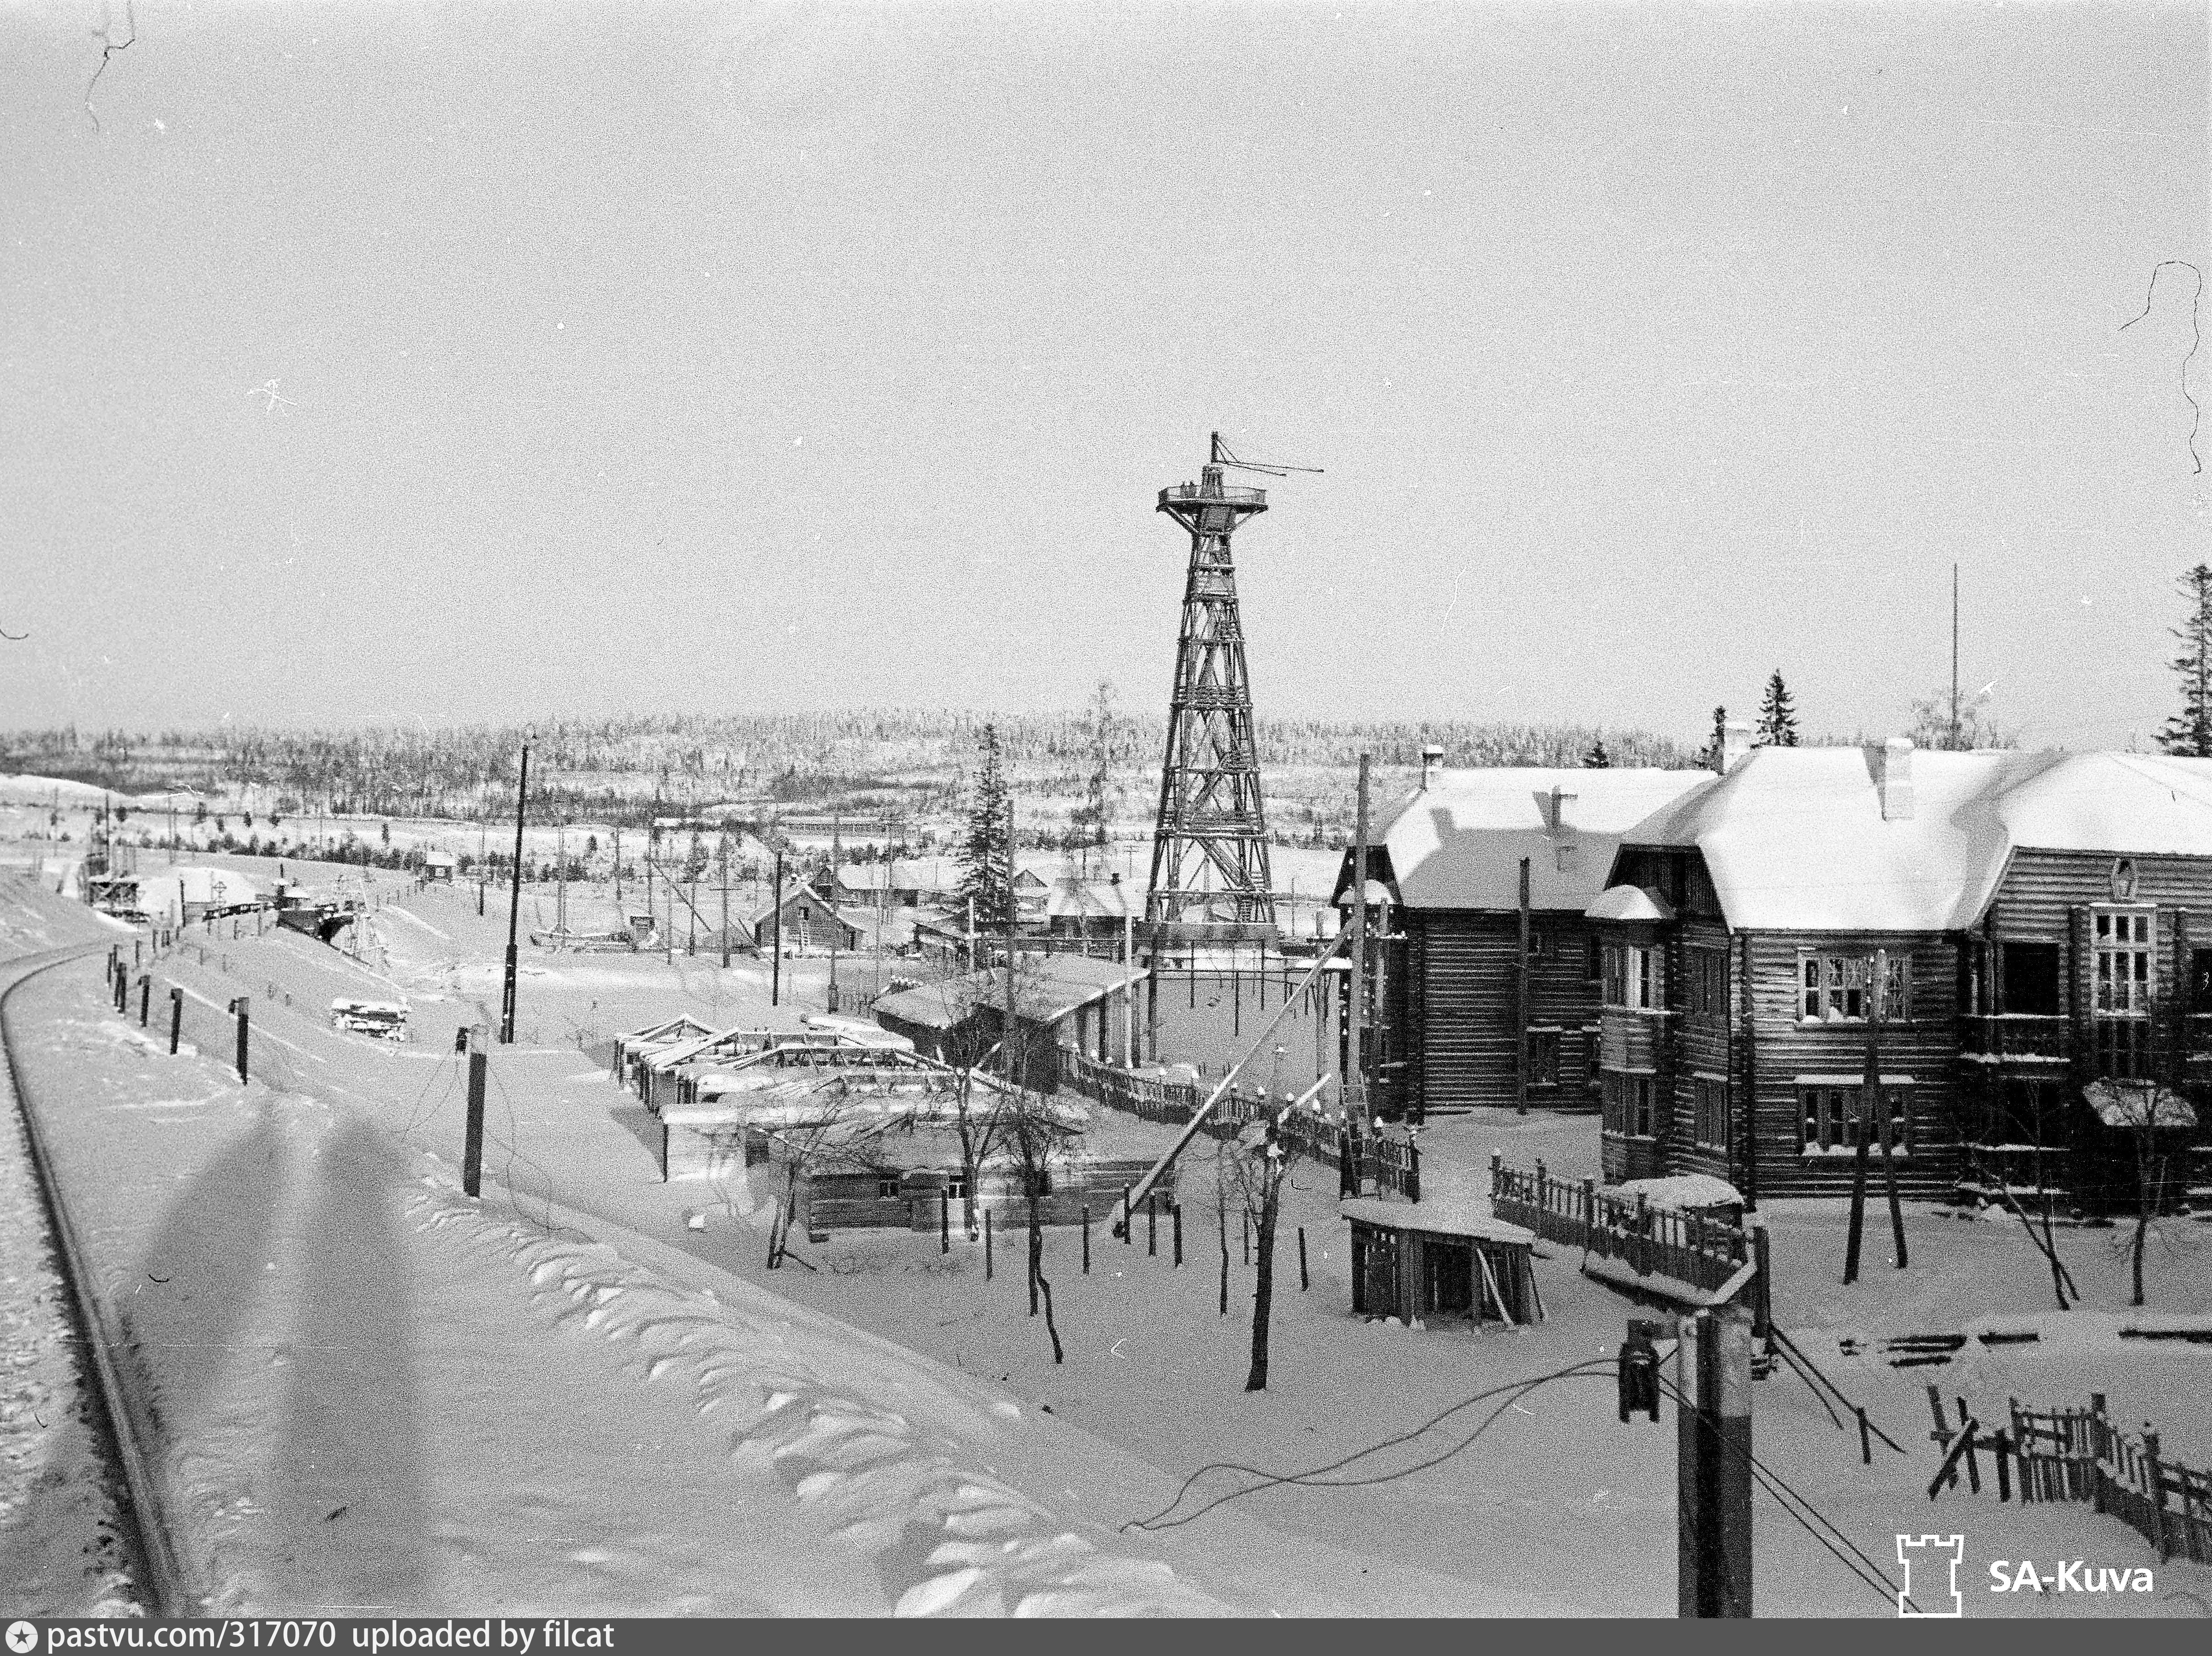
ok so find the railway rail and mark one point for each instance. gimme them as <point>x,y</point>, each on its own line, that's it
<point>123,1424</point>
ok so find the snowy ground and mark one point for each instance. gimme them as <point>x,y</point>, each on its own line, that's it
<point>1150,1394</point>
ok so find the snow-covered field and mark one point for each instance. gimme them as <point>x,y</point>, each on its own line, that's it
<point>593,1357</point>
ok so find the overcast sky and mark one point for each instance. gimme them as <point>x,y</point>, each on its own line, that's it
<point>638,357</point>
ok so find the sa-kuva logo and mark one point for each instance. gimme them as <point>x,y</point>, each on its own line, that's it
<point>1951,1549</point>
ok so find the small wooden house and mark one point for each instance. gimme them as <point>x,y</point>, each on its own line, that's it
<point>1439,1259</point>
<point>439,865</point>
<point>804,924</point>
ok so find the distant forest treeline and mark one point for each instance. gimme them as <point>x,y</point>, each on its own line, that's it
<point>622,766</point>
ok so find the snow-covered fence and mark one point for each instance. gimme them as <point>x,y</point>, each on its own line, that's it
<point>1652,1242</point>
<point>2077,1454</point>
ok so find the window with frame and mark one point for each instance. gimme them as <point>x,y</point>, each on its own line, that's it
<point>1832,988</point>
<point>955,1185</point>
<point>1709,1099</point>
<point>2123,949</point>
<point>1708,983</point>
<point>1594,959</point>
<point>1543,1058</point>
<point>1630,1103</point>
<point>1542,941</point>
<point>1633,977</point>
<point>887,1187</point>
<point>1831,1118</point>
<point>2125,945</point>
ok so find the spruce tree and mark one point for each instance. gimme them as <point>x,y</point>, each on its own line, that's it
<point>2189,732</point>
<point>1777,715</point>
<point>1597,759</point>
<point>985,875</point>
<point>1716,749</point>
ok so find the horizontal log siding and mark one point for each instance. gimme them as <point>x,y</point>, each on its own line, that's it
<point>1703,1046</point>
<point>1926,1048</point>
<point>1459,999</point>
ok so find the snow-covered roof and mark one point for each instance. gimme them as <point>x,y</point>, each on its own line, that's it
<point>1684,1191</point>
<point>1439,1216</point>
<point>1629,902</point>
<point>1458,843</point>
<point>1794,838</point>
<point>1074,898</point>
<point>1047,988</point>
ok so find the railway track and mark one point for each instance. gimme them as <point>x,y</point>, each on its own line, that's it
<point>120,1415</point>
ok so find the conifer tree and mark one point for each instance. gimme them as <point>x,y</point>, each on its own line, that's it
<point>1777,715</point>
<point>1717,748</point>
<point>985,851</point>
<point>2189,732</point>
<point>1596,759</point>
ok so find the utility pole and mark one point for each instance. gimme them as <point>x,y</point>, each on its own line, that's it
<point>1954,656</point>
<point>1006,1035</point>
<point>1521,1005</point>
<point>1713,1556</point>
<point>619,871</point>
<point>514,904</point>
<point>1355,1060</point>
<point>472,1130</point>
<point>561,890</point>
<point>837,851</point>
<point>775,920</point>
<point>725,900</point>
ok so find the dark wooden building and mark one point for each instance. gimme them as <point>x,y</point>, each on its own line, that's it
<point>1457,987</point>
<point>2025,926</point>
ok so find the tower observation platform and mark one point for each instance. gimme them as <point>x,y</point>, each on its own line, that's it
<point>1210,879</point>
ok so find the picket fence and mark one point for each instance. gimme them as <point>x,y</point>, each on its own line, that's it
<point>1651,1241</point>
<point>2078,1454</point>
<point>1388,1164</point>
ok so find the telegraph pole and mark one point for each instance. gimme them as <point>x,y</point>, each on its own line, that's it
<point>725,900</point>
<point>1521,1005</point>
<point>514,904</point>
<point>1355,1062</point>
<point>473,1130</point>
<point>775,920</point>
<point>837,851</point>
<point>1954,659</point>
<point>1713,1556</point>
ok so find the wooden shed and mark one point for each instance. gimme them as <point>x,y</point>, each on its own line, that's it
<point>1440,1259</point>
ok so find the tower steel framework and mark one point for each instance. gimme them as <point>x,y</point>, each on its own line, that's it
<point>1210,848</point>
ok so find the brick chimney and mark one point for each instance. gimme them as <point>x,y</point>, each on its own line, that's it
<point>1736,743</point>
<point>1432,767</point>
<point>1893,779</point>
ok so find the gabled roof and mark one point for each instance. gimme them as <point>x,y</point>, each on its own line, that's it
<point>1793,838</point>
<point>1073,898</point>
<point>1047,988</point>
<point>1459,842</point>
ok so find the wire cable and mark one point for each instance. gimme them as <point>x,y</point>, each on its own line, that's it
<point>1783,1494</point>
<point>1316,1477</point>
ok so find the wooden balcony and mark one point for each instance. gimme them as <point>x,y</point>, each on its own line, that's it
<point>2019,1040</point>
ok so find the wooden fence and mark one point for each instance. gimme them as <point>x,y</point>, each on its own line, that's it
<point>1651,1241</point>
<point>2077,1454</point>
<point>1391,1165</point>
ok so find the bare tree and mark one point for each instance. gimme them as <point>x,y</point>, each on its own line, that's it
<point>1256,1165</point>
<point>831,1130</point>
<point>2150,1115</point>
<point>2045,1241</point>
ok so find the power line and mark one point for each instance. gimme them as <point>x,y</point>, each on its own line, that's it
<point>1777,1487</point>
<point>1316,1476</point>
